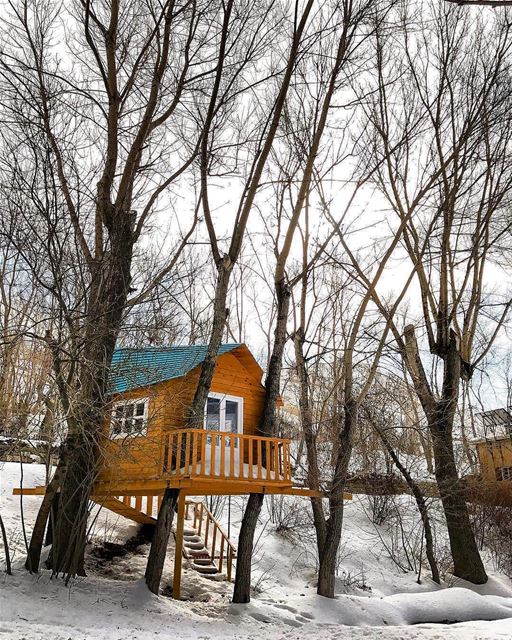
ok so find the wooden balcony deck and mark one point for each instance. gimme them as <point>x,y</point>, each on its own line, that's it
<point>199,454</point>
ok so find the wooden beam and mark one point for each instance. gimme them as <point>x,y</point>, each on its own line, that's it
<point>29,491</point>
<point>122,509</point>
<point>196,486</point>
<point>178,556</point>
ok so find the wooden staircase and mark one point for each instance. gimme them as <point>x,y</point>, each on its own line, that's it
<point>205,543</point>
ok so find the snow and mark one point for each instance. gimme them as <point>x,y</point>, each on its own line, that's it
<point>374,599</point>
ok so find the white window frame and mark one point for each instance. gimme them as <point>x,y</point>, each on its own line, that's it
<point>505,474</point>
<point>123,433</point>
<point>223,397</point>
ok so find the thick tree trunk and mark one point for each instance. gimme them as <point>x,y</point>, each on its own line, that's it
<point>306,417</point>
<point>107,300</point>
<point>36,540</point>
<point>220,314</point>
<point>268,422</point>
<point>242,589</point>
<point>158,550</point>
<point>329,551</point>
<point>467,563</point>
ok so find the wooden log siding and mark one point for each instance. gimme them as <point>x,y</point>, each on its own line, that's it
<point>198,453</point>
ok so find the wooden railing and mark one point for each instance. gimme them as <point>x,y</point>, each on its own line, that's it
<point>220,548</point>
<point>197,453</point>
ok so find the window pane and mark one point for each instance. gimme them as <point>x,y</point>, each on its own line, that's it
<point>128,410</point>
<point>232,416</point>
<point>139,408</point>
<point>213,414</point>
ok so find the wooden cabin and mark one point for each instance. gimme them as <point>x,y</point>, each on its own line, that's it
<point>494,448</point>
<point>148,437</point>
<point>495,459</point>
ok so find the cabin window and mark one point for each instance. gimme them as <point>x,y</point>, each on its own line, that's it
<point>504,473</point>
<point>130,418</point>
<point>224,413</point>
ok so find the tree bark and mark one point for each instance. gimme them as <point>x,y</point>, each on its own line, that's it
<point>36,540</point>
<point>467,563</point>
<point>158,550</point>
<point>306,418</point>
<point>242,589</point>
<point>220,314</point>
<point>107,300</point>
<point>8,568</point>
<point>267,427</point>
<point>334,524</point>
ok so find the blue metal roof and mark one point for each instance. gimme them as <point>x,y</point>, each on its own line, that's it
<point>135,368</point>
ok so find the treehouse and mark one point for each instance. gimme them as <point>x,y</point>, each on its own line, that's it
<point>149,437</point>
<point>149,445</point>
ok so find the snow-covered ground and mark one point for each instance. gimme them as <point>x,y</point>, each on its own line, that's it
<point>375,598</point>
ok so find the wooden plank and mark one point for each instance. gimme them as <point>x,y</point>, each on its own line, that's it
<point>149,507</point>
<point>203,454</point>
<point>222,443</point>
<point>29,491</point>
<point>120,508</point>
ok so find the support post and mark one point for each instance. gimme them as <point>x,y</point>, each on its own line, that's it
<point>180,524</point>
<point>52,519</point>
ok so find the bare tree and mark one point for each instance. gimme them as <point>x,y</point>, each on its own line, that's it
<point>450,110</point>
<point>119,94</point>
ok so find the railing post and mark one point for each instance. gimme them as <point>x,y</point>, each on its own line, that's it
<point>214,540</point>
<point>221,554</point>
<point>201,509</point>
<point>207,529</point>
<point>222,456</point>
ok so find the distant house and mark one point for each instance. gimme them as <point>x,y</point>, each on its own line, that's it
<point>494,447</point>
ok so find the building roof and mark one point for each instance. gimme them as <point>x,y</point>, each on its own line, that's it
<point>493,425</point>
<point>133,368</point>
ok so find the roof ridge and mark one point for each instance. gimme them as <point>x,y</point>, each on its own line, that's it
<point>177,346</point>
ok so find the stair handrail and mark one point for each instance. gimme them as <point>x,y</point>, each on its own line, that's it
<point>227,550</point>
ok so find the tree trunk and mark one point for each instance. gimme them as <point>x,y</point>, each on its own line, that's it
<point>329,551</point>
<point>36,540</point>
<point>8,568</point>
<point>268,422</point>
<point>467,563</point>
<point>158,550</point>
<point>306,418</point>
<point>220,314</point>
<point>242,589</point>
<point>107,300</point>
